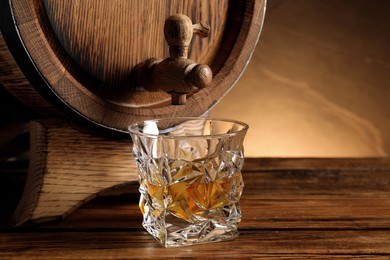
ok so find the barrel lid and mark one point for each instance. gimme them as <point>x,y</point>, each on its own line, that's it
<point>83,52</point>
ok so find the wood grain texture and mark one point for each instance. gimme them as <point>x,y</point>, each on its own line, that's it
<point>109,38</point>
<point>69,167</point>
<point>317,213</point>
<point>85,50</point>
<point>13,80</point>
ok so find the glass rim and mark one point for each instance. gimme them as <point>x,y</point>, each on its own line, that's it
<point>245,127</point>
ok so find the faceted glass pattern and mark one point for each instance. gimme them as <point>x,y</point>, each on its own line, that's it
<point>190,178</point>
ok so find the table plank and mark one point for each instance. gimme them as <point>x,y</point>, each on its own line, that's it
<point>130,242</point>
<point>314,211</point>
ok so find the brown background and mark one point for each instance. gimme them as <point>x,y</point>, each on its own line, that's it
<point>318,83</point>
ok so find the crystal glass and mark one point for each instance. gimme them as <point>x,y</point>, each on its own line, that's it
<point>190,178</point>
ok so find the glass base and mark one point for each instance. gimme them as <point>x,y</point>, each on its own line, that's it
<point>193,234</point>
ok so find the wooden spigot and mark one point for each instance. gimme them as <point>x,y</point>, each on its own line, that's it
<point>176,75</point>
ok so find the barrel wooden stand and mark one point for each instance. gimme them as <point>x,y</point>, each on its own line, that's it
<point>68,167</point>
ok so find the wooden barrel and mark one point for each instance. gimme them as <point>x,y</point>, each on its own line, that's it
<point>74,58</point>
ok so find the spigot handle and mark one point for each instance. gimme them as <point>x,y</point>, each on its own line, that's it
<point>178,32</point>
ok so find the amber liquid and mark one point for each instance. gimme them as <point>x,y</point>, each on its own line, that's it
<point>192,194</point>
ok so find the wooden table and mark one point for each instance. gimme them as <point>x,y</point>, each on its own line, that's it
<point>293,208</point>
